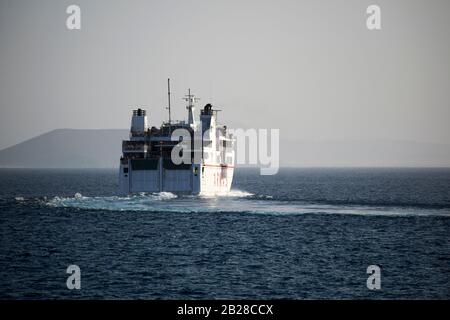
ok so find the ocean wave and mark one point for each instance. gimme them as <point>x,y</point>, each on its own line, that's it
<point>228,194</point>
<point>247,199</point>
<point>141,201</point>
<point>238,202</point>
<point>356,202</point>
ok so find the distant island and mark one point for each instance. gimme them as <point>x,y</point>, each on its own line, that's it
<point>67,148</point>
<point>101,148</point>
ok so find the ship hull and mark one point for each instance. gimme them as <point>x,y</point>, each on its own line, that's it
<point>158,175</point>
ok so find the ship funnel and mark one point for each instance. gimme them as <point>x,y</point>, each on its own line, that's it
<point>139,121</point>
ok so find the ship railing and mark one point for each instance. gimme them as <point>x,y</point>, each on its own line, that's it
<point>137,133</point>
<point>138,146</point>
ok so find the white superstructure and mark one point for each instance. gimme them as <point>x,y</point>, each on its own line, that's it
<point>147,165</point>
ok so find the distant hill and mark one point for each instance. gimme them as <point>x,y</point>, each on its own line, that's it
<point>90,148</point>
<point>67,148</point>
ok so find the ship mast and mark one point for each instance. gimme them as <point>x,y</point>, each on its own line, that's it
<point>168,97</point>
<point>190,99</point>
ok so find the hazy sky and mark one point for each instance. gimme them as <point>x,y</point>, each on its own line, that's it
<point>310,68</point>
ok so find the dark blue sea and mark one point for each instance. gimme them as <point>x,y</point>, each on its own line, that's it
<point>301,234</point>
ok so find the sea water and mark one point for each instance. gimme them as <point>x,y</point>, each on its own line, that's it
<point>303,233</point>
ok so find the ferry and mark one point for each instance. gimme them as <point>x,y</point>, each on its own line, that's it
<point>147,164</point>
